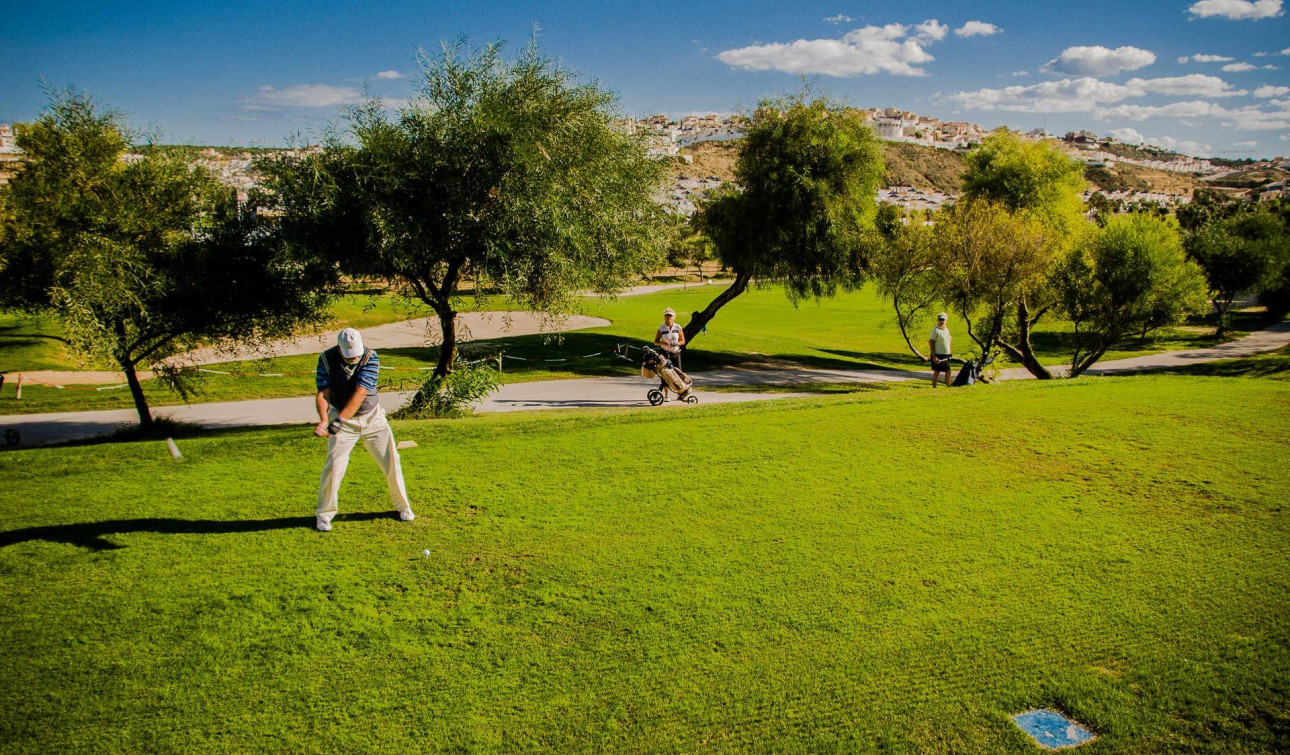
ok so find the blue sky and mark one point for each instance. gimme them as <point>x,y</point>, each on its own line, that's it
<point>254,73</point>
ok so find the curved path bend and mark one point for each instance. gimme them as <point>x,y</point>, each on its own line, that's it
<point>613,392</point>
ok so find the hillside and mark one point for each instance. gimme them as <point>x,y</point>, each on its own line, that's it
<point>710,159</point>
<point>907,164</point>
<point>1126,177</point>
<point>923,167</point>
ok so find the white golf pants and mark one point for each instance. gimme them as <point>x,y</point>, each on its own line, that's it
<point>378,438</point>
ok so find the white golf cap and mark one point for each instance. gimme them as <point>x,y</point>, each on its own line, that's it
<point>669,311</point>
<point>350,342</point>
<point>942,316</point>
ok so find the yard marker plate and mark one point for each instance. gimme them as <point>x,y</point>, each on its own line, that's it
<point>1051,730</point>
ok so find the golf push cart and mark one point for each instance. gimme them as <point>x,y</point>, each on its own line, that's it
<point>657,365</point>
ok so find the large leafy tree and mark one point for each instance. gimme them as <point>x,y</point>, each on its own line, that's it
<point>1033,176</point>
<point>1130,276</point>
<point>1240,254</point>
<point>1041,186</point>
<point>990,263</point>
<point>142,257</point>
<point>507,173</point>
<point>802,203</point>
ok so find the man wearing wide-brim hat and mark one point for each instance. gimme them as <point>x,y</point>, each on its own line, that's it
<point>349,409</point>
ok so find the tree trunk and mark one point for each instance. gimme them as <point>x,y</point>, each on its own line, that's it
<point>1023,352</point>
<point>448,350</point>
<point>136,390</point>
<point>1223,304</point>
<point>698,320</point>
<point>903,323</point>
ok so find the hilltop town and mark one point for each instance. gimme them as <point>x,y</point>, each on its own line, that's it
<point>917,178</point>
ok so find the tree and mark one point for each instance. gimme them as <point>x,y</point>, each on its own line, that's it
<point>991,263</point>
<point>1035,180</point>
<point>803,200</point>
<point>140,257</point>
<point>1024,175</point>
<point>1130,276</point>
<point>508,173</point>
<point>1239,254</point>
<point>905,266</point>
<point>686,246</point>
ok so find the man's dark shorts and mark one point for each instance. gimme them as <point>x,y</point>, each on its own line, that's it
<point>941,363</point>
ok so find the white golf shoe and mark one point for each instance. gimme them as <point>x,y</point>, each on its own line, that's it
<point>407,515</point>
<point>322,526</point>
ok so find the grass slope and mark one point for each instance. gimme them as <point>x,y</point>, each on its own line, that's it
<point>850,331</point>
<point>893,572</point>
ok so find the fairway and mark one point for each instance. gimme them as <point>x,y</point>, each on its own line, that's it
<point>892,571</point>
<point>853,330</point>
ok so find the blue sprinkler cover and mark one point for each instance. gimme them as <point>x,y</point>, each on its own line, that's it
<point>1051,730</point>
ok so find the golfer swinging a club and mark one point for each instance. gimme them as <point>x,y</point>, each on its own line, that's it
<point>349,409</point>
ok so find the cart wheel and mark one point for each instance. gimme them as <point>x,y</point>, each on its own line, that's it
<point>655,397</point>
<point>12,437</point>
<point>691,399</point>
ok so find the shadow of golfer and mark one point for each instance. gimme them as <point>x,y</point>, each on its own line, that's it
<point>92,534</point>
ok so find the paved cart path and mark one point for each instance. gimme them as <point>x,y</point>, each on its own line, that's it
<point>580,393</point>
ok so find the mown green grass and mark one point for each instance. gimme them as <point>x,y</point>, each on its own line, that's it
<point>853,330</point>
<point>897,571</point>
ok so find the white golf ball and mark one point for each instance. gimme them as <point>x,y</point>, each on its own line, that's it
<point>426,553</point>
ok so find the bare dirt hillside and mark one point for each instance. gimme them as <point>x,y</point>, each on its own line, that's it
<point>710,159</point>
<point>922,167</point>
<point>1125,177</point>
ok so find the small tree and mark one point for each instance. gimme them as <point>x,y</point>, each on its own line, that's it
<point>906,268</point>
<point>1036,180</point>
<point>141,258</point>
<point>1239,255</point>
<point>505,172</point>
<point>1129,277</point>
<point>804,199</point>
<point>991,263</point>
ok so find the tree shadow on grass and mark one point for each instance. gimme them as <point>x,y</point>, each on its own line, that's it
<point>93,535</point>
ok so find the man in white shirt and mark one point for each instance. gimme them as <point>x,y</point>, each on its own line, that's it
<point>940,342</point>
<point>670,337</point>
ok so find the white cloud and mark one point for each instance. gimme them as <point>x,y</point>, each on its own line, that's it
<point>1096,60</point>
<point>304,95</point>
<point>1195,149</point>
<point>1127,135</point>
<point>1271,67</point>
<point>389,75</point>
<point>932,30</point>
<point>1210,58</point>
<point>1238,67</point>
<point>1064,96</point>
<point>1271,91</point>
<point>1254,118</point>
<point>1133,136</point>
<point>1236,10</point>
<point>1195,84</point>
<point>1286,51</point>
<point>868,50</point>
<point>1021,73</point>
<point>1245,144</point>
<point>838,19</point>
<point>1086,94</point>
<point>1183,59</point>
<point>1285,137</point>
<point>1261,54</point>
<point>1188,109</point>
<point>977,29</point>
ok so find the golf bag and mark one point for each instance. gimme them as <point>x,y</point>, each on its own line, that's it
<point>972,369</point>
